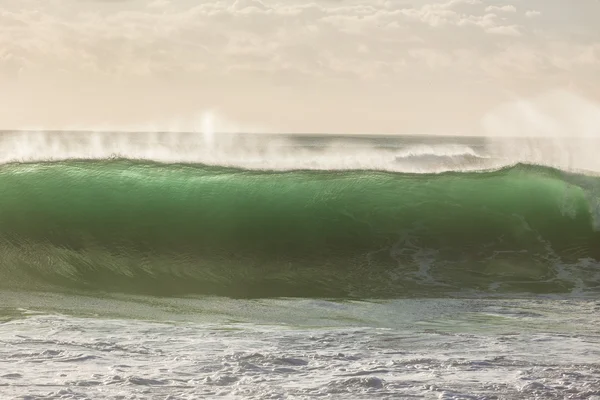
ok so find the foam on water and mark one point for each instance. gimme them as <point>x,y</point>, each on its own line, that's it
<point>271,152</point>
<point>557,129</point>
<point>426,349</point>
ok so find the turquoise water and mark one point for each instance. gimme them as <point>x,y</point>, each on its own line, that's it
<point>175,229</point>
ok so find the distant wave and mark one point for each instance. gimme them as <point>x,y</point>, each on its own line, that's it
<point>175,229</point>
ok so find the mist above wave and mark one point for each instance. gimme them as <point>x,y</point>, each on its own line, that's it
<point>556,129</point>
<point>273,152</point>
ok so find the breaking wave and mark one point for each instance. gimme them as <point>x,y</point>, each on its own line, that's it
<point>138,226</point>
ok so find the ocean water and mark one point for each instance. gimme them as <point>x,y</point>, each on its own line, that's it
<point>178,265</point>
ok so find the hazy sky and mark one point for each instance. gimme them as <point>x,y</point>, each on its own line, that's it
<point>388,66</point>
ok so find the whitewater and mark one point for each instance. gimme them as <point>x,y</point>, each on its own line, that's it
<point>199,265</point>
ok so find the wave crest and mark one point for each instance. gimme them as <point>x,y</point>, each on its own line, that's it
<point>135,226</point>
<point>279,152</point>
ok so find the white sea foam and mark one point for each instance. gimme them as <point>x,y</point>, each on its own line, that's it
<point>556,129</point>
<point>191,348</point>
<point>275,152</point>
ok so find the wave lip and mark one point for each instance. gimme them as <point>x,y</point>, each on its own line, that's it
<point>176,229</point>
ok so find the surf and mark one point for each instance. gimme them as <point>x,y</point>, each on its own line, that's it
<point>137,226</point>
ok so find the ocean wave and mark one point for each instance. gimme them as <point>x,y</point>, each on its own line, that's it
<point>176,229</point>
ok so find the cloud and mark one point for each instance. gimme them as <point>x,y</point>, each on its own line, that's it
<point>226,50</point>
<point>159,3</point>
<point>511,30</point>
<point>165,37</point>
<point>506,8</point>
<point>247,6</point>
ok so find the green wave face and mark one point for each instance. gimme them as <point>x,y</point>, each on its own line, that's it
<point>141,227</point>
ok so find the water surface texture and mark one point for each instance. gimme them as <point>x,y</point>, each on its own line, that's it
<point>168,266</point>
